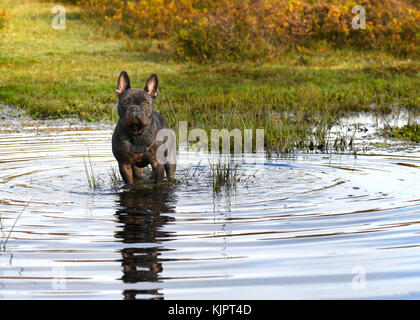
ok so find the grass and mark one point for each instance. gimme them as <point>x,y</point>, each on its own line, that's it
<point>93,180</point>
<point>56,73</point>
<point>14,224</point>
<point>409,132</point>
<point>218,176</point>
<point>221,175</point>
<point>114,178</point>
<point>224,175</point>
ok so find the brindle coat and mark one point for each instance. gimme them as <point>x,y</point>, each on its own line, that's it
<point>134,142</point>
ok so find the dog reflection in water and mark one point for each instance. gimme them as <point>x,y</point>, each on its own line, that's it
<point>140,213</point>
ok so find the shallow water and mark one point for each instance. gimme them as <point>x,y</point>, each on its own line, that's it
<point>306,226</point>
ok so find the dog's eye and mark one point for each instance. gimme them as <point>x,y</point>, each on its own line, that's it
<point>146,104</point>
<point>125,101</point>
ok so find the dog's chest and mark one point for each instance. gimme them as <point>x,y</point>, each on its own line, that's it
<point>142,160</point>
<point>141,144</point>
<point>143,153</point>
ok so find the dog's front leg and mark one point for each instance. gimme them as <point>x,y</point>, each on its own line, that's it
<point>137,172</point>
<point>158,172</point>
<point>126,171</point>
<point>170,170</point>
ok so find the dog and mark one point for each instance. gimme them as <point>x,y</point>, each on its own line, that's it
<point>134,141</point>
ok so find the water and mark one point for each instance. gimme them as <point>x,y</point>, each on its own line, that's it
<point>304,226</point>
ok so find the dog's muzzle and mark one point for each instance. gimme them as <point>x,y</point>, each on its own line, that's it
<point>137,120</point>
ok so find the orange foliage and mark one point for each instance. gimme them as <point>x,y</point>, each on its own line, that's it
<point>233,29</point>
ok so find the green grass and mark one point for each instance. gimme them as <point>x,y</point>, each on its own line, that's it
<point>409,132</point>
<point>115,180</point>
<point>219,176</point>
<point>93,179</point>
<point>14,224</point>
<point>224,175</point>
<point>55,73</point>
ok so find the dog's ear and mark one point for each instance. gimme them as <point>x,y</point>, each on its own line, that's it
<point>123,83</point>
<point>151,86</point>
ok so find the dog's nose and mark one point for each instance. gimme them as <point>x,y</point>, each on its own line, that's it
<point>135,109</point>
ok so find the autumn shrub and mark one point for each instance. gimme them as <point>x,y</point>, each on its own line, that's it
<point>253,29</point>
<point>392,25</point>
<point>229,31</point>
<point>155,19</point>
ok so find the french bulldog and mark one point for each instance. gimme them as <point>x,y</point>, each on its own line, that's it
<point>134,141</point>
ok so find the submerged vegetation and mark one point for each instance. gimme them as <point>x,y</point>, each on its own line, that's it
<point>114,178</point>
<point>295,91</point>
<point>224,174</point>
<point>6,238</point>
<point>221,175</point>
<point>93,179</point>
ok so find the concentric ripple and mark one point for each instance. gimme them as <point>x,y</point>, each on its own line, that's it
<point>304,226</point>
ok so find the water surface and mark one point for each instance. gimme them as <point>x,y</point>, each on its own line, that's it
<point>306,226</point>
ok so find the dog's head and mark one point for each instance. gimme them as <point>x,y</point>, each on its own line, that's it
<point>135,106</point>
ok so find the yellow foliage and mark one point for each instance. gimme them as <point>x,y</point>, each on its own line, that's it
<point>232,29</point>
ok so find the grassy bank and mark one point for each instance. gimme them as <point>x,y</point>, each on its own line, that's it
<point>54,73</point>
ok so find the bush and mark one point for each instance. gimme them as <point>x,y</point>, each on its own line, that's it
<point>253,29</point>
<point>152,19</point>
<point>229,31</point>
